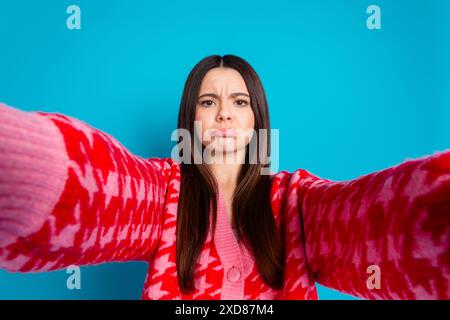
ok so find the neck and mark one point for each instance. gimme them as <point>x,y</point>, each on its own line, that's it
<point>226,172</point>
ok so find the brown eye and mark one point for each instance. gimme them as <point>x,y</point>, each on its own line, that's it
<point>241,103</point>
<point>207,103</point>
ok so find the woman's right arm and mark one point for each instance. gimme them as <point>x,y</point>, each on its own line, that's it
<point>71,194</point>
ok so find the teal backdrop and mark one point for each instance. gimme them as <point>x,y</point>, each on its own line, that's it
<point>347,100</point>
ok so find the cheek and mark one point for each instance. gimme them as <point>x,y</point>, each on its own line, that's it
<point>202,118</point>
<point>204,122</point>
<point>205,115</point>
<point>247,120</point>
<point>247,123</point>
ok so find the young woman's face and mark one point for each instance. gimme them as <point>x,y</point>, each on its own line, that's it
<point>224,103</point>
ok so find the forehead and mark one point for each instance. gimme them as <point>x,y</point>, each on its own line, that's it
<point>223,79</point>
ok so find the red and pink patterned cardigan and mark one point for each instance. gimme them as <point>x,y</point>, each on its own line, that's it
<point>72,195</point>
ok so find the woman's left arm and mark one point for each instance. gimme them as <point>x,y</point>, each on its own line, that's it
<point>385,235</point>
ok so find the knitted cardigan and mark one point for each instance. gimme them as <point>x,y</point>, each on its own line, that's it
<point>73,195</point>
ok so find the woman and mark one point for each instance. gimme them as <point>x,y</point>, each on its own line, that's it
<point>221,228</point>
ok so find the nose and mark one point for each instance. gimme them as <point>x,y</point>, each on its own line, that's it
<point>224,115</point>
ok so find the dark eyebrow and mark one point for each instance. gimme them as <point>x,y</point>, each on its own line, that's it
<point>233,95</point>
<point>236,94</point>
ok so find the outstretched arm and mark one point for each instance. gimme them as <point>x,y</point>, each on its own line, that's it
<point>71,194</point>
<point>383,235</point>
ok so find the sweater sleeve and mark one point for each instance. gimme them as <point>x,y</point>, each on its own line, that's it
<point>72,195</point>
<point>384,235</point>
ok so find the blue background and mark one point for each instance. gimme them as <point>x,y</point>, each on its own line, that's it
<point>347,100</point>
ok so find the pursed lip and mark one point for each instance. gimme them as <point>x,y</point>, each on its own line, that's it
<point>224,132</point>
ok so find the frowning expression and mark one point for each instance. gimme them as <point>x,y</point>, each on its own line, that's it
<point>224,110</point>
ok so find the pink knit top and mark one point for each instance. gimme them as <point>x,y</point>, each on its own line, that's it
<point>235,257</point>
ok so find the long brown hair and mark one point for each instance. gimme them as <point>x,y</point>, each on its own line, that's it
<point>252,218</point>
